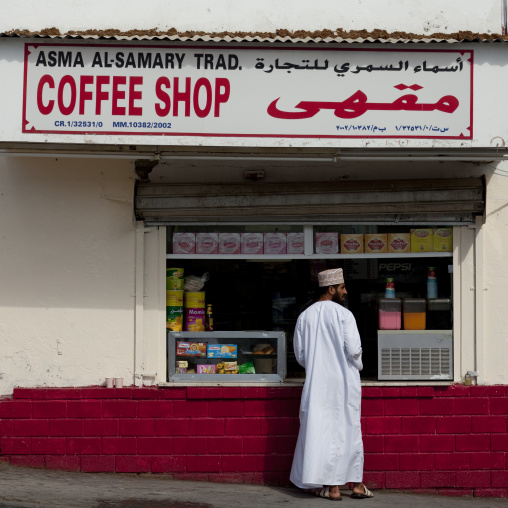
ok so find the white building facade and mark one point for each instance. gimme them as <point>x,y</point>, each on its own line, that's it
<point>106,118</point>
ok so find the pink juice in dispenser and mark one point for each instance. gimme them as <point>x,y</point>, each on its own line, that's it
<point>390,313</point>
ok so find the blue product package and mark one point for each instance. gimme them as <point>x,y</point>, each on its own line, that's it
<point>222,351</point>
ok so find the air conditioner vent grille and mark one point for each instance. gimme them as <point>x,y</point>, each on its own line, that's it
<point>415,356</point>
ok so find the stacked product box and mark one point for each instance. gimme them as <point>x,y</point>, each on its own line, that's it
<point>207,243</point>
<point>225,353</point>
<point>184,243</point>
<point>222,350</point>
<point>182,366</point>
<point>275,243</point>
<point>295,243</point>
<point>351,244</point>
<point>376,243</point>
<point>443,239</point>
<point>327,243</point>
<point>229,243</point>
<point>206,369</point>
<point>416,241</point>
<point>251,243</point>
<point>192,349</point>
<point>422,240</point>
<point>399,243</point>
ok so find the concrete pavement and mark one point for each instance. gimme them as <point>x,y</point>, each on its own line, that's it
<point>39,488</point>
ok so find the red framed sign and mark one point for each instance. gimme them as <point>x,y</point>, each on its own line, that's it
<point>162,90</point>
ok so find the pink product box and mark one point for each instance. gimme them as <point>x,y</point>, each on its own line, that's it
<point>252,243</point>
<point>207,243</point>
<point>184,243</point>
<point>295,243</point>
<point>327,243</point>
<point>275,243</point>
<point>206,369</point>
<point>229,243</point>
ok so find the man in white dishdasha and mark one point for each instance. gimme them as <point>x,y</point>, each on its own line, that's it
<point>329,450</point>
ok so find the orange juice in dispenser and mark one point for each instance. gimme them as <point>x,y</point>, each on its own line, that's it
<point>414,313</point>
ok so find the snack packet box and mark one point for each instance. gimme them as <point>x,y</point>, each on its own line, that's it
<point>229,243</point>
<point>181,370</point>
<point>295,243</point>
<point>274,243</point>
<point>222,351</point>
<point>351,244</point>
<point>207,243</point>
<point>251,243</point>
<point>230,366</point>
<point>327,243</point>
<point>206,369</point>
<point>184,243</point>
<point>443,239</point>
<point>191,349</point>
<point>182,364</point>
<point>376,243</point>
<point>422,240</point>
<point>399,242</point>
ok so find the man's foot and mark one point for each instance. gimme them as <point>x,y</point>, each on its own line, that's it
<point>330,493</point>
<point>360,491</point>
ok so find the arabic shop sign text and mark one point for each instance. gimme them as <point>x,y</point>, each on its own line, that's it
<point>253,92</point>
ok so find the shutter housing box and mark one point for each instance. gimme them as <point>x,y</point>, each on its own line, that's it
<point>382,201</point>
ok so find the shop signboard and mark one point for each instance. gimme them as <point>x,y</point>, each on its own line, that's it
<point>231,91</point>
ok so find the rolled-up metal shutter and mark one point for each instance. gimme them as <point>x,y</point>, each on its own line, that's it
<point>382,201</point>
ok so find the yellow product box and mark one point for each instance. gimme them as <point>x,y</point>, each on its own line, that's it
<point>230,366</point>
<point>399,243</point>
<point>443,239</point>
<point>375,243</point>
<point>422,240</point>
<point>351,244</point>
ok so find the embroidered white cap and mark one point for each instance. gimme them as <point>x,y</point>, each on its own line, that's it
<point>331,277</point>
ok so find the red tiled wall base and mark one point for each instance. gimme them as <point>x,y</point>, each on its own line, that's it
<point>448,440</point>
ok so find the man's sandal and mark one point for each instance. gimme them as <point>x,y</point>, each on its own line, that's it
<point>366,495</point>
<point>324,493</point>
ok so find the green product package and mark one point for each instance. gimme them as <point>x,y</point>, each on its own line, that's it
<point>246,368</point>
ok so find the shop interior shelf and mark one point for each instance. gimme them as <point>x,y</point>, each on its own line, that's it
<point>245,342</point>
<point>268,257</point>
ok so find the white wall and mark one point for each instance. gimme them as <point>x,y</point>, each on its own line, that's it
<point>67,273</point>
<point>421,17</point>
<point>495,248</point>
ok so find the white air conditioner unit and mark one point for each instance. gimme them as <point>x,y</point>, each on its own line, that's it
<point>415,355</point>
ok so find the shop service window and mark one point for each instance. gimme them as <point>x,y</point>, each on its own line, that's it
<point>259,278</point>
